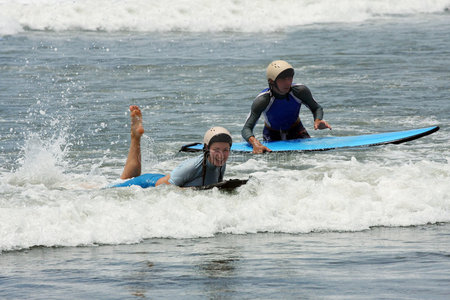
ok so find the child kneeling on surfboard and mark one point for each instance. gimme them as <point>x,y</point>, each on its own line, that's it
<point>206,169</point>
<point>280,105</point>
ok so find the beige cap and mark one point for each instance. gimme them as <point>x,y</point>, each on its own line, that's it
<point>276,67</point>
<point>217,134</point>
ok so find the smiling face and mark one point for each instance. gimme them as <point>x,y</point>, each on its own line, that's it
<point>218,153</point>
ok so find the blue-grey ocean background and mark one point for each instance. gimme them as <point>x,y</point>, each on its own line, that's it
<point>369,223</point>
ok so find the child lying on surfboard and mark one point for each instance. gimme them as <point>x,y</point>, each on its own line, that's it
<point>205,169</point>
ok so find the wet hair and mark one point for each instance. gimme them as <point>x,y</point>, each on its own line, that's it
<point>220,138</point>
<point>285,74</point>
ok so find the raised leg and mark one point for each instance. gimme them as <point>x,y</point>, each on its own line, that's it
<point>133,165</point>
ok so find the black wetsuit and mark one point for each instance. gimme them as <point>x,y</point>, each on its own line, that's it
<point>281,114</point>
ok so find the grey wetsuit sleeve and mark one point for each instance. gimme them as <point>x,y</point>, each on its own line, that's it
<point>304,94</point>
<point>259,105</point>
<point>187,171</point>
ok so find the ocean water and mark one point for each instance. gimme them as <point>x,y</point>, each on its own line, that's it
<point>367,223</point>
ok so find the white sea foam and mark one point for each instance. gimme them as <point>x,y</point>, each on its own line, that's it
<point>197,15</point>
<point>332,195</point>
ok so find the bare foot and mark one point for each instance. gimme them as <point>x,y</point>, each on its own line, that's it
<point>137,130</point>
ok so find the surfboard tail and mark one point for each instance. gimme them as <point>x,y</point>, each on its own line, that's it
<point>193,147</point>
<point>417,136</point>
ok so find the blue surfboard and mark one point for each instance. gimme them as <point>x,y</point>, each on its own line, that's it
<point>144,181</point>
<point>149,180</point>
<point>328,143</point>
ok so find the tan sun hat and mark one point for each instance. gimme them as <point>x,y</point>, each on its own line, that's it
<point>275,68</point>
<point>217,134</point>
